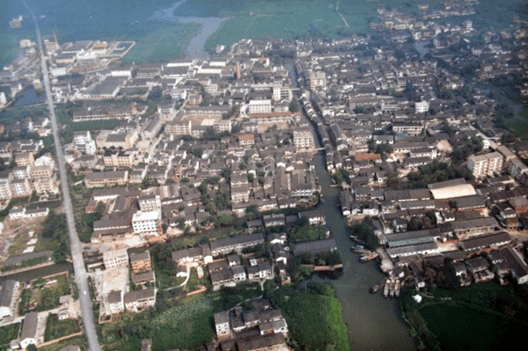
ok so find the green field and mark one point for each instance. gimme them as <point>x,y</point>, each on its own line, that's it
<point>459,327</point>
<point>183,326</point>
<point>97,20</point>
<point>169,41</point>
<point>161,39</point>
<point>484,316</point>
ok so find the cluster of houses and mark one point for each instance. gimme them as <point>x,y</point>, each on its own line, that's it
<point>262,328</point>
<point>28,174</point>
<point>114,285</point>
<point>233,260</point>
<point>228,138</point>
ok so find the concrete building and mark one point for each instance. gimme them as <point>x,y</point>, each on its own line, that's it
<point>137,301</point>
<point>303,138</point>
<point>140,262</point>
<point>178,127</point>
<point>317,80</point>
<point>146,222</point>
<point>421,107</point>
<point>149,202</point>
<point>259,106</point>
<point>115,258</point>
<point>485,165</point>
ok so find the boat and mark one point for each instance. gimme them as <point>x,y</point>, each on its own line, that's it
<point>378,286</point>
<point>370,255</point>
<point>358,249</point>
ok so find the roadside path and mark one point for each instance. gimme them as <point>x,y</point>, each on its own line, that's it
<point>75,244</point>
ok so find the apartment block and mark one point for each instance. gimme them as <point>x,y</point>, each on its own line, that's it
<point>303,138</point>
<point>485,165</point>
<point>115,258</point>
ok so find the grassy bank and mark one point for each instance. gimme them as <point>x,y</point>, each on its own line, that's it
<point>315,303</point>
<point>481,317</point>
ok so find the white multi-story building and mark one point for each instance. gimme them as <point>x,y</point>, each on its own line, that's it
<point>84,142</point>
<point>20,187</point>
<point>5,189</point>
<point>517,168</point>
<point>3,99</point>
<point>222,324</point>
<point>485,165</point>
<point>260,106</point>
<point>149,202</point>
<point>281,93</point>
<point>317,79</point>
<point>115,258</point>
<point>303,138</point>
<point>178,127</point>
<point>81,138</point>
<point>421,107</point>
<point>146,222</point>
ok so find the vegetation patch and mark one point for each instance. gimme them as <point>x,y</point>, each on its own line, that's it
<point>169,41</point>
<point>187,325</point>
<point>302,307</point>
<point>483,316</point>
<point>8,333</point>
<point>57,329</point>
<point>44,294</point>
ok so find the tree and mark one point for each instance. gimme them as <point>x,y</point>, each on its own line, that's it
<point>252,212</point>
<point>294,106</point>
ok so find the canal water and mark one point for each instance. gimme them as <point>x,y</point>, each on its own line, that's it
<point>374,323</point>
<point>27,276</point>
<point>28,97</point>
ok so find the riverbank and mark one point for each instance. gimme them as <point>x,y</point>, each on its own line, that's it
<point>373,323</point>
<point>482,317</point>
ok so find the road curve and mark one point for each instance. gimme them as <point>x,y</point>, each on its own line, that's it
<point>75,244</point>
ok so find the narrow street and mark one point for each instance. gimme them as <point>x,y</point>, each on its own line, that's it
<point>75,244</point>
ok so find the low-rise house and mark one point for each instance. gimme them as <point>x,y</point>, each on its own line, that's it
<point>142,278</point>
<point>140,262</point>
<point>139,300</point>
<point>102,179</point>
<point>519,269</point>
<point>29,330</point>
<point>9,298</point>
<point>113,303</point>
<point>315,217</point>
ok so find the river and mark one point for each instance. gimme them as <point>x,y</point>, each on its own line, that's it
<point>196,48</point>
<point>374,323</point>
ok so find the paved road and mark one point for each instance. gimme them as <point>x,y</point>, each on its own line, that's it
<point>75,244</point>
